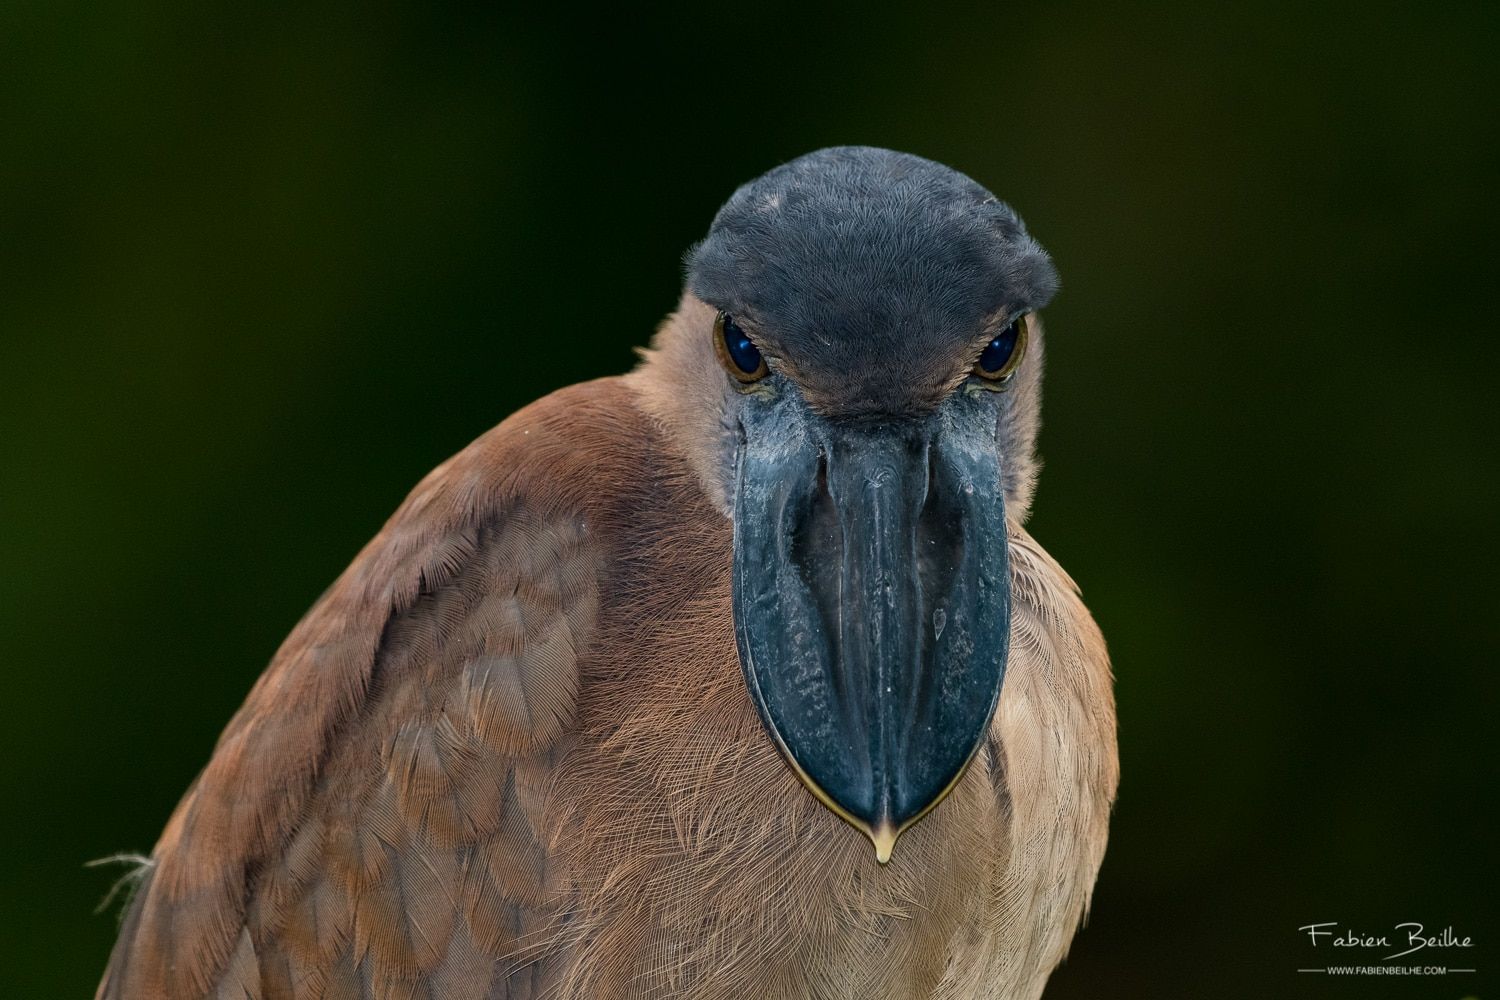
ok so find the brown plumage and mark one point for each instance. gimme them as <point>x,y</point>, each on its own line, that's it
<point>510,754</point>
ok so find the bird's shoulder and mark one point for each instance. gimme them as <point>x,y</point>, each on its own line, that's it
<point>372,814</point>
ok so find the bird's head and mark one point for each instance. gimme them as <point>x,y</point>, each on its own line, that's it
<point>855,375</point>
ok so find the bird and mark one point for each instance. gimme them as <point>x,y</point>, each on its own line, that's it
<point>734,675</point>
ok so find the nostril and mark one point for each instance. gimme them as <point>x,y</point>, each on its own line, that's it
<point>817,547</point>
<point>940,543</point>
<point>817,540</point>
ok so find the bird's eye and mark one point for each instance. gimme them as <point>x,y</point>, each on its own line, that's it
<point>737,352</point>
<point>1002,355</point>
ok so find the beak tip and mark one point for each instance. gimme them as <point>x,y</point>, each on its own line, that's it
<point>884,838</point>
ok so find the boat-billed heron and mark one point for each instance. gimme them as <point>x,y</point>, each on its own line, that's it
<point>734,676</point>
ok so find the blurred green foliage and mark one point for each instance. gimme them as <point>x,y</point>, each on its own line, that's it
<point>262,268</point>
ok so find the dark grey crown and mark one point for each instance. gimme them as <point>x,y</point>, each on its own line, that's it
<point>852,255</point>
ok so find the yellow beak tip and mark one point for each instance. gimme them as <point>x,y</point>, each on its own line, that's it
<point>884,839</point>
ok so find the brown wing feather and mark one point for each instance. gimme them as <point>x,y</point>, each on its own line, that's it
<point>371,822</point>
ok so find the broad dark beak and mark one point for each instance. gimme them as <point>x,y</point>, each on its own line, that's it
<point>871,600</point>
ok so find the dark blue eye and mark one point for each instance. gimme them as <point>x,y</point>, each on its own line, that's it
<point>1003,353</point>
<point>737,351</point>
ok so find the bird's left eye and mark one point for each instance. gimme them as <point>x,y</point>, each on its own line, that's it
<point>1002,355</point>
<point>737,352</point>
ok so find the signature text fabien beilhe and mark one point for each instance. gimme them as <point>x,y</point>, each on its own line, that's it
<point>1411,936</point>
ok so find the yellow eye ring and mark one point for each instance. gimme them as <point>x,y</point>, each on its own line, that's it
<point>1003,354</point>
<point>737,352</point>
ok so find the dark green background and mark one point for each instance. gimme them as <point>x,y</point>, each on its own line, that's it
<point>261,271</point>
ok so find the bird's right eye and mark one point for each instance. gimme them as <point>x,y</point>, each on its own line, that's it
<point>737,352</point>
